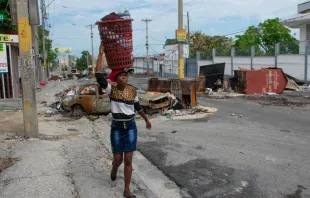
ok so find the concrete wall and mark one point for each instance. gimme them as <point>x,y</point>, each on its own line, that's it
<point>169,66</point>
<point>293,65</point>
<point>171,52</point>
<point>11,104</point>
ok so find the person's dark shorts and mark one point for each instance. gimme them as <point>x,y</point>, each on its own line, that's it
<point>123,136</point>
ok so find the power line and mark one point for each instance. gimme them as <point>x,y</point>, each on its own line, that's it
<point>155,51</point>
<point>156,39</point>
<point>137,47</point>
<point>139,44</point>
<point>243,30</point>
<point>76,9</point>
<point>233,33</point>
<point>166,13</point>
<point>189,4</point>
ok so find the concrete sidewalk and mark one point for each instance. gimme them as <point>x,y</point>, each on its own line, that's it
<point>68,160</point>
<point>71,159</point>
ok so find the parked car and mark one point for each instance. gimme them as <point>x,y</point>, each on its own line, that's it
<point>86,97</point>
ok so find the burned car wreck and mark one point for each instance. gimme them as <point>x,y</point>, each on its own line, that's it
<point>88,97</point>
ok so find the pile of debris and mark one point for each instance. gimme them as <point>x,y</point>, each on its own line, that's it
<point>266,81</point>
<point>159,103</point>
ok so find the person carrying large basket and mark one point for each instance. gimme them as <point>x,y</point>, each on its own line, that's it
<point>124,105</point>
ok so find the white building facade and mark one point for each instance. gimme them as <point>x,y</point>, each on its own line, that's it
<point>301,22</point>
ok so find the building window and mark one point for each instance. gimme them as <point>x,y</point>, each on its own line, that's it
<point>308,32</point>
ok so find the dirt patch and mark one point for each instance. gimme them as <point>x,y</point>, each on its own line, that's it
<point>59,137</point>
<point>6,163</point>
<point>279,100</point>
<point>11,122</point>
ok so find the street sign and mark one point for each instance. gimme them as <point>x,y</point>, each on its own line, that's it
<point>3,59</point>
<point>181,36</point>
<point>6,38</point>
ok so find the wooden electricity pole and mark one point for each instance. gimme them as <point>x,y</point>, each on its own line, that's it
<point>43,14</point>
<point>91,26</point>
<point>181,50</point>
<point>28,78</point>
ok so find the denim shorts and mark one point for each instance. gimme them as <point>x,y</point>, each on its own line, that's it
<point>123,136</point>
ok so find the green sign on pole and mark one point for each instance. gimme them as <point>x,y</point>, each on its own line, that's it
<point>1,15</point>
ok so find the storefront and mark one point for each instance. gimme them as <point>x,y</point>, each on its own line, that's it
<point>10,85</point>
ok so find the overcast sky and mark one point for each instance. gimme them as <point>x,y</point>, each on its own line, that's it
<point>68,19</point>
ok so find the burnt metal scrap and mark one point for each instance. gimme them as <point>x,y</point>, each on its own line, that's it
<point>183,89</point>
<point>156,102</point>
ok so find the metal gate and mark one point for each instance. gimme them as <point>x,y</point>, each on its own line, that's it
<point>6,77</point>
<point>191,68</point>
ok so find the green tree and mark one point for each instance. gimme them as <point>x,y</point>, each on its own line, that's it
<point>83,62</point>
<point>51,54</point>
<point>204,44</point>
<point>264,38</point>
<point>6,24</point>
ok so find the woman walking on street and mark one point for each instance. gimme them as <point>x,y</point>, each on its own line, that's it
<point>124,104</point>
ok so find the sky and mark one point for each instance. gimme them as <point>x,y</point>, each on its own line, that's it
<point>68,19</point>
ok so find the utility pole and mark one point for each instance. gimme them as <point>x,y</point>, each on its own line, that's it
<point>43,13</point>
<point>92,43</point>
<point>28,82</point>
<point>181,52</point>
<point>147,42</point>
<point>188,35</point>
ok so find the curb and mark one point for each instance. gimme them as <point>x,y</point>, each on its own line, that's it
<point>147,176</point>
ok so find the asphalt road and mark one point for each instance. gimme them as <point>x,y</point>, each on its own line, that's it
<point>245,150</point>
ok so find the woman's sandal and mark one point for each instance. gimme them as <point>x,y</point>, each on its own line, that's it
<point>133,196</point>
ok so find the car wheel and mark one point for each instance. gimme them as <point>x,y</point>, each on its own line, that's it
<point>77,110</point>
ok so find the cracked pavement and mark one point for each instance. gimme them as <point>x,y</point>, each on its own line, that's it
<point>71,158</point>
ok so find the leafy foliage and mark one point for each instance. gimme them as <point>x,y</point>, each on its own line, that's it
<point>6,24</point>
<point>51,55</point>
<point>204,44</point>
<point>264,38</point>
<point>83,62</point>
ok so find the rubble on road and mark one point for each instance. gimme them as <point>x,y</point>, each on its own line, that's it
<point>154,102</point>
<point>269,86</point>
<point>206,109</point>
<point>287,98</point>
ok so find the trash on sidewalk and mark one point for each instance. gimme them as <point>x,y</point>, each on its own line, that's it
<point>291,84</point>
<point>154,102</point>
<point>92,118</point>
<point>55,78</point>
<point>270,93</point>
<point>209,91</point>
<point>206,109</point>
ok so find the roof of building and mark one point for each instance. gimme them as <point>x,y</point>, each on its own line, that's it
<point>297,21</point>
<point>304,7</point>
